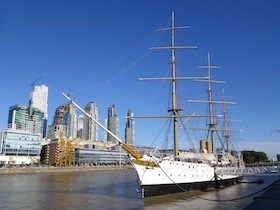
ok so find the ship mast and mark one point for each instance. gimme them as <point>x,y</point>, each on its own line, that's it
<point>210,99</point>
<point>226,132</point>
<point>173,78</point>
<point>174,109</point>
<point>212,125</point>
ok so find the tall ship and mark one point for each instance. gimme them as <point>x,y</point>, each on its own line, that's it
<point>183,171</point>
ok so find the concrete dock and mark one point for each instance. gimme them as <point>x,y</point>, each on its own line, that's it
<point>270,199</point>
<point>45,170</point>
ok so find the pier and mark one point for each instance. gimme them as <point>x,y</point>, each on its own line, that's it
<point>267,167</point>
<point>270,199</point>
<point>253,169</point>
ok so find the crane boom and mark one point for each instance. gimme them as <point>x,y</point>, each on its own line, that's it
<point>33,83</point>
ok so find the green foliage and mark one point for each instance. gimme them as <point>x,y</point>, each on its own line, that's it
<point>254,157</point>
<point>52,163</point>
<point>43,162</point>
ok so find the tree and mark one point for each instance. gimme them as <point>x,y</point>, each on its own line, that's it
<point>254,157</point>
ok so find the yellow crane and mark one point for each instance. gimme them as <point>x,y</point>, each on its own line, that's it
<point>66,152</point>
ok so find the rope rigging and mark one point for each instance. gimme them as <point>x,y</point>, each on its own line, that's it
<point>120,60</point>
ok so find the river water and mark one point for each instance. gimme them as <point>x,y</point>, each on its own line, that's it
<point>110,190</point>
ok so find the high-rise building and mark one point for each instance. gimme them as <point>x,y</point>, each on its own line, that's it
<point>90,128</point>
<point>129,129</point>
<point>112,123</point>
<point>39,100</point>
<point>80,126</point>
<point>65,122</point>
<point>71,117</point>
<point>25,119</point>
<point>59,124</point>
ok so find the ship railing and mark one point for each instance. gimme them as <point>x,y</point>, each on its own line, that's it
<point>248,170</point>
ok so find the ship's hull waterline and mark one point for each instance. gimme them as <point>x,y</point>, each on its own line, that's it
<point>158,190</point>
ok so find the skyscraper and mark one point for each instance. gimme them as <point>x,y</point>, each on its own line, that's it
<point>65,122</point>
<point>80,126</point>
<point>129,129</point>
<point>90,128</point>
<point>112,123</point>
<point>59,124</point>
<point>25,119</point>
<point>39,100</point>
<point>71,117</point>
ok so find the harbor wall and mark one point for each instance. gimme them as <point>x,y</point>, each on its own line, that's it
<point>37,170</point>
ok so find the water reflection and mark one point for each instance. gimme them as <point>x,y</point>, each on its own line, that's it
<point>86,190</point>
<point>109,190</point>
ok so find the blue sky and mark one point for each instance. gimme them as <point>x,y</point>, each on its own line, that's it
<point>99,49</point>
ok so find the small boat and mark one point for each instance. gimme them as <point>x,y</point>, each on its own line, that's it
<point>182,171</point>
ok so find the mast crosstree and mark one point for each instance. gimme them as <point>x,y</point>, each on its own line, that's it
<point>212,126</point>
<point>173,78</point>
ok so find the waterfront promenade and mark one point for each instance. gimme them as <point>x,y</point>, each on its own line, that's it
<point>51,169</point>
<point>270,199</point>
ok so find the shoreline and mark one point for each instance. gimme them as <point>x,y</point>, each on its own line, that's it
<point>50,169</point>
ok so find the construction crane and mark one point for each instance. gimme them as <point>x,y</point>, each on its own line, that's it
<point>30,100</point>
<point>33,83</point>
<point>275,131</point>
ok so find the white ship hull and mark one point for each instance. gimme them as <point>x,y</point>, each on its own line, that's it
<point>169,177</point>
